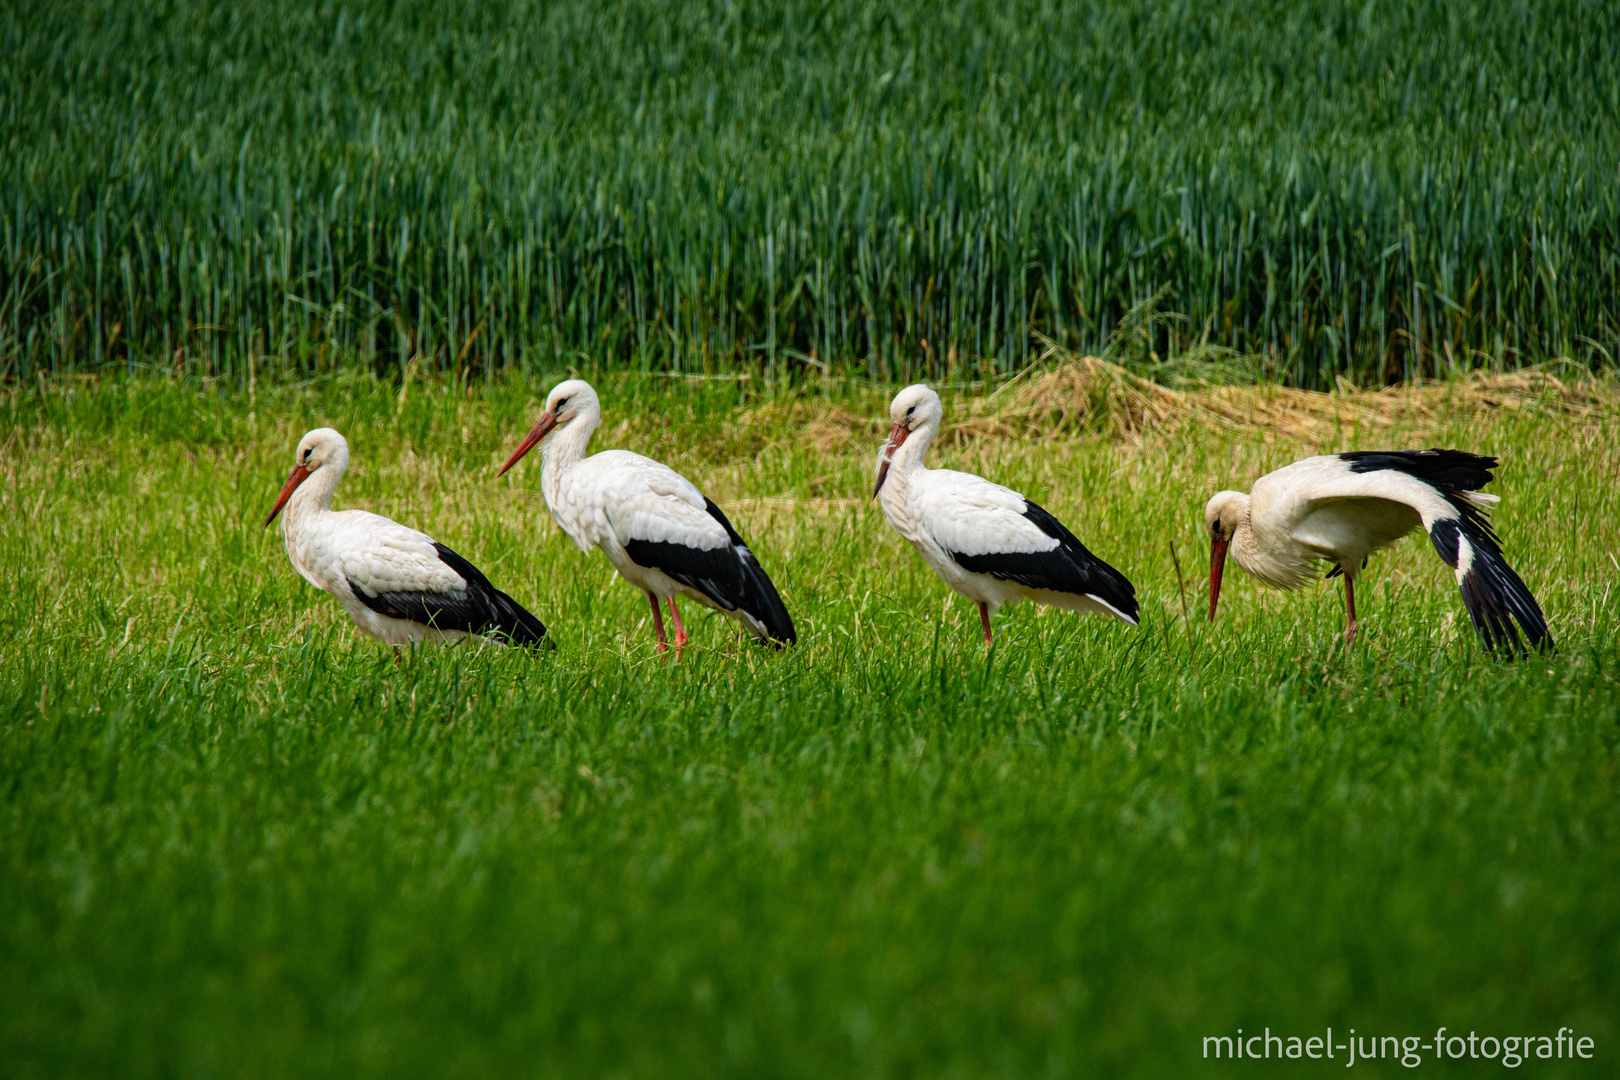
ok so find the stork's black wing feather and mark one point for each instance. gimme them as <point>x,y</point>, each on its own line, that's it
<point>730,576</point>
<point>1492,591</point>
<point>480,608</point>
<point>1067,568</point>
<point>1450,472</point>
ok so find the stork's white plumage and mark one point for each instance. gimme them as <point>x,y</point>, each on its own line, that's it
<point>660,532</point>
<point>987,542</point>
<point>1341,508</point>
<point>399,585</point>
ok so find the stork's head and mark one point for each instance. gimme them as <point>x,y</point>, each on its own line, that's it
<point>1224,514</point>
<point>912,409</point>
<point>915,406</point>
<point>322,448</point>
<point>568,400</point>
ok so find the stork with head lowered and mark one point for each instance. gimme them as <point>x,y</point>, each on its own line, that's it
<point>1340,508</point>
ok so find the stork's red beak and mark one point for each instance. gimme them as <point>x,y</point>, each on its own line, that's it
<point>299,475</point>
<point>548,420</point>
<point>896,438</point>
<point>1217,563</point>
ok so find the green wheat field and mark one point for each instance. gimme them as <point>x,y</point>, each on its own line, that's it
<point>1370,188</point>
<point>238,840</point>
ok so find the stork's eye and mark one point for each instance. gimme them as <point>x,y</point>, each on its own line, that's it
<point>308,452</point>
<point>911,410</point>
<point>561,405</point>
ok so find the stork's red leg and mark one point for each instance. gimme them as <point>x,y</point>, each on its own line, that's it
<point>680,631</point>
<point>658,623</point>
<point>984,617</point>
<point>398,660</point>
<point>1350,608</point>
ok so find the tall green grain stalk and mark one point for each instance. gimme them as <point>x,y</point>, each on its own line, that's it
<point>1376,190</point>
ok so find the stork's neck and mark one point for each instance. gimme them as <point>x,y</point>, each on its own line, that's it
<point>1244,548</point>
<point>314,496</point>
<point>1250,554</point>
<point>565,448</point>
<point>905,466</point>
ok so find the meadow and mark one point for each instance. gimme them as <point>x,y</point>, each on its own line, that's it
<point>1375,190</point>
<point>236,839</point>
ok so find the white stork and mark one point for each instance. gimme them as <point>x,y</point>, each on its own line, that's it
<point>1342,507</point>
<point>399,585</point>
<point>988,542</point>
<point>660,532</point>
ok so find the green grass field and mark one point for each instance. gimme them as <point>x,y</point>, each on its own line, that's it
<point>236,840</point>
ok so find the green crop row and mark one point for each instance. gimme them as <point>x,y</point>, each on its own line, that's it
<point>1374,190</point>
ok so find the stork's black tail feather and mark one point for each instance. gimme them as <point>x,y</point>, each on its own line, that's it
<point>729,576</point>
<point>761,602</point>
<point>1068,568</point>
<point>1494,594</point>
<point>756,597</point>
<point>516,623</point>
<point>499,614</point>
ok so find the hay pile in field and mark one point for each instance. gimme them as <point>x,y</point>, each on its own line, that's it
<point>1073,395</point>
<point>1085,393</point>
